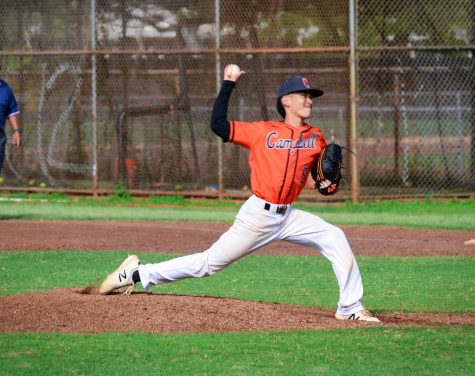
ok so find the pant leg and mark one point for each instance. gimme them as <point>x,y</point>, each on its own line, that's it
<point>3,142</point>
<point>252,229</point>
<point>310,230</point>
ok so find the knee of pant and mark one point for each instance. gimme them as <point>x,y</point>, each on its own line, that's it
<point>337,233</point>
<point>212,267</point>
<point>197,265</point>
<point>344,251</point>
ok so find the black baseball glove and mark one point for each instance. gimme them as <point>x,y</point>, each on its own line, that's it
<point>326,170</point>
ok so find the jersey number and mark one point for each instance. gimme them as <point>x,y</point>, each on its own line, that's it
<point>304,175</point>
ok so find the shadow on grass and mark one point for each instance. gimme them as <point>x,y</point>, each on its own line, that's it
<point>5,217</point>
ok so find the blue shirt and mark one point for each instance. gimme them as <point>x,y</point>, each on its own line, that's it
<point>8,105</point>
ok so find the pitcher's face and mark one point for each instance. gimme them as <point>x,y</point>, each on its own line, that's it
<point>299,104</point>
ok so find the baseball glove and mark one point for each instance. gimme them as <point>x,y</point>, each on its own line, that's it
<point>326,170</point>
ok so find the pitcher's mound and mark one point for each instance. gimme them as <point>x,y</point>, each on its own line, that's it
<point>76,310</point>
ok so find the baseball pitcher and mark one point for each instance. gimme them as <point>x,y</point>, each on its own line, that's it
<point>282,155</point>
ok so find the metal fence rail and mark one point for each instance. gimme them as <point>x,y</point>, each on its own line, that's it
<point>114,91</point>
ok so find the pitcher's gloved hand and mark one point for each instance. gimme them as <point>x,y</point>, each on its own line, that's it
<point>327,170</point>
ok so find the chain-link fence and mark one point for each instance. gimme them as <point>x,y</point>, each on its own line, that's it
<point>417,91</point>
<point>122,91</point>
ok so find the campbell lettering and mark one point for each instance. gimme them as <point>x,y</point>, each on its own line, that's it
<point>273,142</point>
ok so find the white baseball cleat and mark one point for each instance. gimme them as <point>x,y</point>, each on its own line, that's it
<point>363,315</point>
<point>121,277</point>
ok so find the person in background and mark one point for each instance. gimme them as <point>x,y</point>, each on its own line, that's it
<point>8,111</point>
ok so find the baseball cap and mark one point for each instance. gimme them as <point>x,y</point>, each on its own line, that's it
<point>295,84</point>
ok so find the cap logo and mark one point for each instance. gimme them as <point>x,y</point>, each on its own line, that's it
<point>305,83</point>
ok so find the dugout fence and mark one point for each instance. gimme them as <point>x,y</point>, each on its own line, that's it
<point>121,91</point>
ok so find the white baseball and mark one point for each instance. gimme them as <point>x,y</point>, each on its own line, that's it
<point>233,69</point>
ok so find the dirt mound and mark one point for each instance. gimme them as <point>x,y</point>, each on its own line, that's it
<point>83,310</point>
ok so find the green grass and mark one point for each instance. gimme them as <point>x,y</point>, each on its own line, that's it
<point>454,215</point>
<point>429,161</point>
<point>124,213</point>
<point>430,284</point>
<point>370,351</point>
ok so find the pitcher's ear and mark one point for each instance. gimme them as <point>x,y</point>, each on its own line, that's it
<point>285,101</point>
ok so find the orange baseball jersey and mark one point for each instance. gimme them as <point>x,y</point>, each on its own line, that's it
<point>280,156</point>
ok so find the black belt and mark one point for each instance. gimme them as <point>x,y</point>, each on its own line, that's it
<point>279,209</point>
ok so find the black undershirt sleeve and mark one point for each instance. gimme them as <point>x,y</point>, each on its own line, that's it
<point>219,117</point>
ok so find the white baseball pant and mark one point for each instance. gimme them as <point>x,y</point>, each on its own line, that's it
<point>254,227</point>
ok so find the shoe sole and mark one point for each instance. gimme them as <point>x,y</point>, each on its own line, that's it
<point>106,291</point>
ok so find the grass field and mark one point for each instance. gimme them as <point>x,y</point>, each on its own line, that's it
<point>422,284</point>
<point>419,284</point>
<point>453,214</point>
<point>371,351</point>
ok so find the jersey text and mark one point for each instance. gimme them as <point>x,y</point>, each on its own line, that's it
<point>273,142</point>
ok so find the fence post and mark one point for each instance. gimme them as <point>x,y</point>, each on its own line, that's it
<point>95,183</point>
<point>472,103</point>
<point>217,15</point>
<point>353,98</point>
<point>396,106</point>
